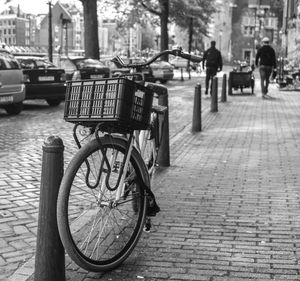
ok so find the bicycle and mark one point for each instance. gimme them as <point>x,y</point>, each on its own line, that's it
<point>105,193</point>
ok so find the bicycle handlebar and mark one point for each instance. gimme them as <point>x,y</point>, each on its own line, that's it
<point>175,52</point>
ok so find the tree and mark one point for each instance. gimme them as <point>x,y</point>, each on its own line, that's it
<point>193,16</point>
<point>181,12</point>
<point>160,8</point>
<point>91,42</point>
<point>164,11</point>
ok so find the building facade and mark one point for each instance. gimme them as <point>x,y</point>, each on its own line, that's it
<point>238,27</point>
<point>67,29</point>
<point>16,28</point>
<point>251,21</point>
<point>291,32</point>
<point>220,29</point>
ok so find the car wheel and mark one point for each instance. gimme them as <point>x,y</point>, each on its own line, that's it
<point>53,102</point>
<point>14,109</point>
<point>163,81</point>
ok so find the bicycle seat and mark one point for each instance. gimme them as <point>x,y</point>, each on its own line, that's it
<point>158,89</point>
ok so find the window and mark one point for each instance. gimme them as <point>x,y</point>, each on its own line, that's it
<point>248,31</point>
<point>248,25</point>
<point>271,22</point>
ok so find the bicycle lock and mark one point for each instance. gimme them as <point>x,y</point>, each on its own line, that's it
<point>50,255</point>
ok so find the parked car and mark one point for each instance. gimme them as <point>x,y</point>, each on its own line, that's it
<point>12,88</point>
<point>43,80</point>
<point>179,62</point>
<point>146,71</point>
<point>81,68</point>
<point>158,71</point>
<point>114,69</point>
<point>161,71</point>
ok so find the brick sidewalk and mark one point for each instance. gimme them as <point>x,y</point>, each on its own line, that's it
<point>230,200</point>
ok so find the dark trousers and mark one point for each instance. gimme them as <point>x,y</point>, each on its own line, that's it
<point>210,73</point>
<point>265,73</point>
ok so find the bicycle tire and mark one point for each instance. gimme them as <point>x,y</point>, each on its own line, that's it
<point>106,241</point>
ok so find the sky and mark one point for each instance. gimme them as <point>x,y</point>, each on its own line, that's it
<point>32,6</point>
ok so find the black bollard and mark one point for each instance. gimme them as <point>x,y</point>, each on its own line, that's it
<point>214,95</point>
<point>197,121</point>
<point>50,255</point>
<point>230,84</point>
<point>224,87</point>
<point>163,157</point>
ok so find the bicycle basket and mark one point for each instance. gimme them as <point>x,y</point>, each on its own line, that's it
<point>119,102</point>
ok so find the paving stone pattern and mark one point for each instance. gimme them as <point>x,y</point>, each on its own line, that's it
<point>230,201</point>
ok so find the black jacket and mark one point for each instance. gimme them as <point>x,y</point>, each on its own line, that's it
<point>213,58</point>
<point>266,56</point>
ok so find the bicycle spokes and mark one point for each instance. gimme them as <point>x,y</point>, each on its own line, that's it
<point>103,220</point>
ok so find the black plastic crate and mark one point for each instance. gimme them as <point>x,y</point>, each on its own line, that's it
<point>118,102</point>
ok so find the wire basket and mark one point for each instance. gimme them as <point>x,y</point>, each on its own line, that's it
<point>117,102</point>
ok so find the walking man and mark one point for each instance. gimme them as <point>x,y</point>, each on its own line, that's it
<point>214,63</point>
<point>266,60</point>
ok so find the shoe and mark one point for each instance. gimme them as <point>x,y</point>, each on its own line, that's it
<point>263,96</point>
<point>206,92</point>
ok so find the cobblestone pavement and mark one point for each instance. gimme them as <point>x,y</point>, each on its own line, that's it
<point>230,200</point>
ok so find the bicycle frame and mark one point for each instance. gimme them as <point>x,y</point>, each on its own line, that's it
<point>141,139</point>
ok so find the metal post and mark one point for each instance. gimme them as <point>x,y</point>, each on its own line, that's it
<point>50,47</point>
<point>163,157</point>
<point>286,28</point>
<point>224,87</point>
<point>66,45</point>
<point>50,255</point>
<point>214,95</point>
<point>197,122</point>
<point>181,70</point>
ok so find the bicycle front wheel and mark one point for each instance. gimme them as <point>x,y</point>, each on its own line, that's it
<point>98,228</point>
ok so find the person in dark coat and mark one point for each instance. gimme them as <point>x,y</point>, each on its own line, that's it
<point>266,60</point>
<point>214,63</point>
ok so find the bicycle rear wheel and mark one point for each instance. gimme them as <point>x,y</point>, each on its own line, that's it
<point>97,231</point>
